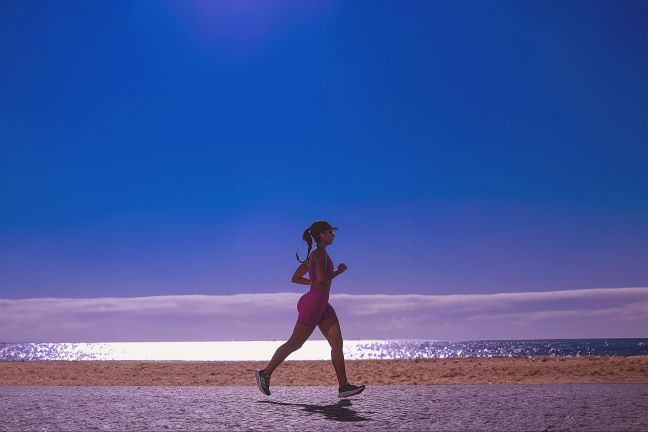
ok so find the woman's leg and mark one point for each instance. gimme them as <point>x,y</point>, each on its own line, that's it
<point>297,339</point>
<point>330,328</point>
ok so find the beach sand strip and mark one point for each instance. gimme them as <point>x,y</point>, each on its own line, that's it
<point>515,370</point>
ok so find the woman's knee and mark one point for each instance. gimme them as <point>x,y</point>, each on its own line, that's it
<point>299,336</point>
<point>336,343</point>
<point>294,344</point>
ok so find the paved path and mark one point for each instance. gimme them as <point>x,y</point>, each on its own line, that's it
<point>609,407</point>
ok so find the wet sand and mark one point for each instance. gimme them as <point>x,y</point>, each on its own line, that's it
<point>573,407</point>
<point>533,370</point>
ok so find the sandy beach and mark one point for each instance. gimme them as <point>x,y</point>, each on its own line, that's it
<point>533,370</point>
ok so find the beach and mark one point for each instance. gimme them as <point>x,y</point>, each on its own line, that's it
<point>496,370</point>
<point>458,394</point>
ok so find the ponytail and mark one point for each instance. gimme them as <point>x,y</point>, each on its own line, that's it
<point>308,239</point>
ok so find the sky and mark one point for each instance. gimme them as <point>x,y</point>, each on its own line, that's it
<point>156,150</point>
<point>566,314</point>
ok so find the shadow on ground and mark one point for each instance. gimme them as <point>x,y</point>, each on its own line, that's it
<point>337,412</point>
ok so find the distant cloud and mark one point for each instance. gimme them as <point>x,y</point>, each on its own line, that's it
<point>586,313</point>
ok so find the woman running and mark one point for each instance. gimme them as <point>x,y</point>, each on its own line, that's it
<point>314,309</point>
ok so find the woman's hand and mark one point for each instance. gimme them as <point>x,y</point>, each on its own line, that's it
<point>342,267</point>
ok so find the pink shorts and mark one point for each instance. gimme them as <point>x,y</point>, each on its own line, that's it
<point>313,307</point>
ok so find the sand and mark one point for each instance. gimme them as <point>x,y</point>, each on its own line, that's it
<point>532,370</point>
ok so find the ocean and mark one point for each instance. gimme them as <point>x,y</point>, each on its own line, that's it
<point>319,349</point>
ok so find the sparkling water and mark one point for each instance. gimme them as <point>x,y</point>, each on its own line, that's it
<point>319,349</point>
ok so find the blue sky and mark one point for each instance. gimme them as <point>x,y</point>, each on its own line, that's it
<point>175,147</point>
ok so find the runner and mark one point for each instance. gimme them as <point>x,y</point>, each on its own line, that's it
<point>314,310</point>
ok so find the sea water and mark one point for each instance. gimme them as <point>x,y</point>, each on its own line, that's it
<point>320,350</point>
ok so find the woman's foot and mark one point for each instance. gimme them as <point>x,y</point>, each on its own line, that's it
<point>263,381</point>
<point>349,390</point>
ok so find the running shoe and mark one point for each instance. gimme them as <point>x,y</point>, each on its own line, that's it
<point>263,381</point>
<point>349,390</point>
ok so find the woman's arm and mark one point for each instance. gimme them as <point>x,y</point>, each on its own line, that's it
<point>298,276</point>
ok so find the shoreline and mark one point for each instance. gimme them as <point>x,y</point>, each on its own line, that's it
<point>475,370</point>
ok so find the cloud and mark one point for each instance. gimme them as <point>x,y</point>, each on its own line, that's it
<point>585,313</point>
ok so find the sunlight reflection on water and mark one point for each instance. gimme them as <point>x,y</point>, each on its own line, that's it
<point>319,349</point>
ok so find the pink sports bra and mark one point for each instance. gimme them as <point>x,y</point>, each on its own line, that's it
<point>311,267</point>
